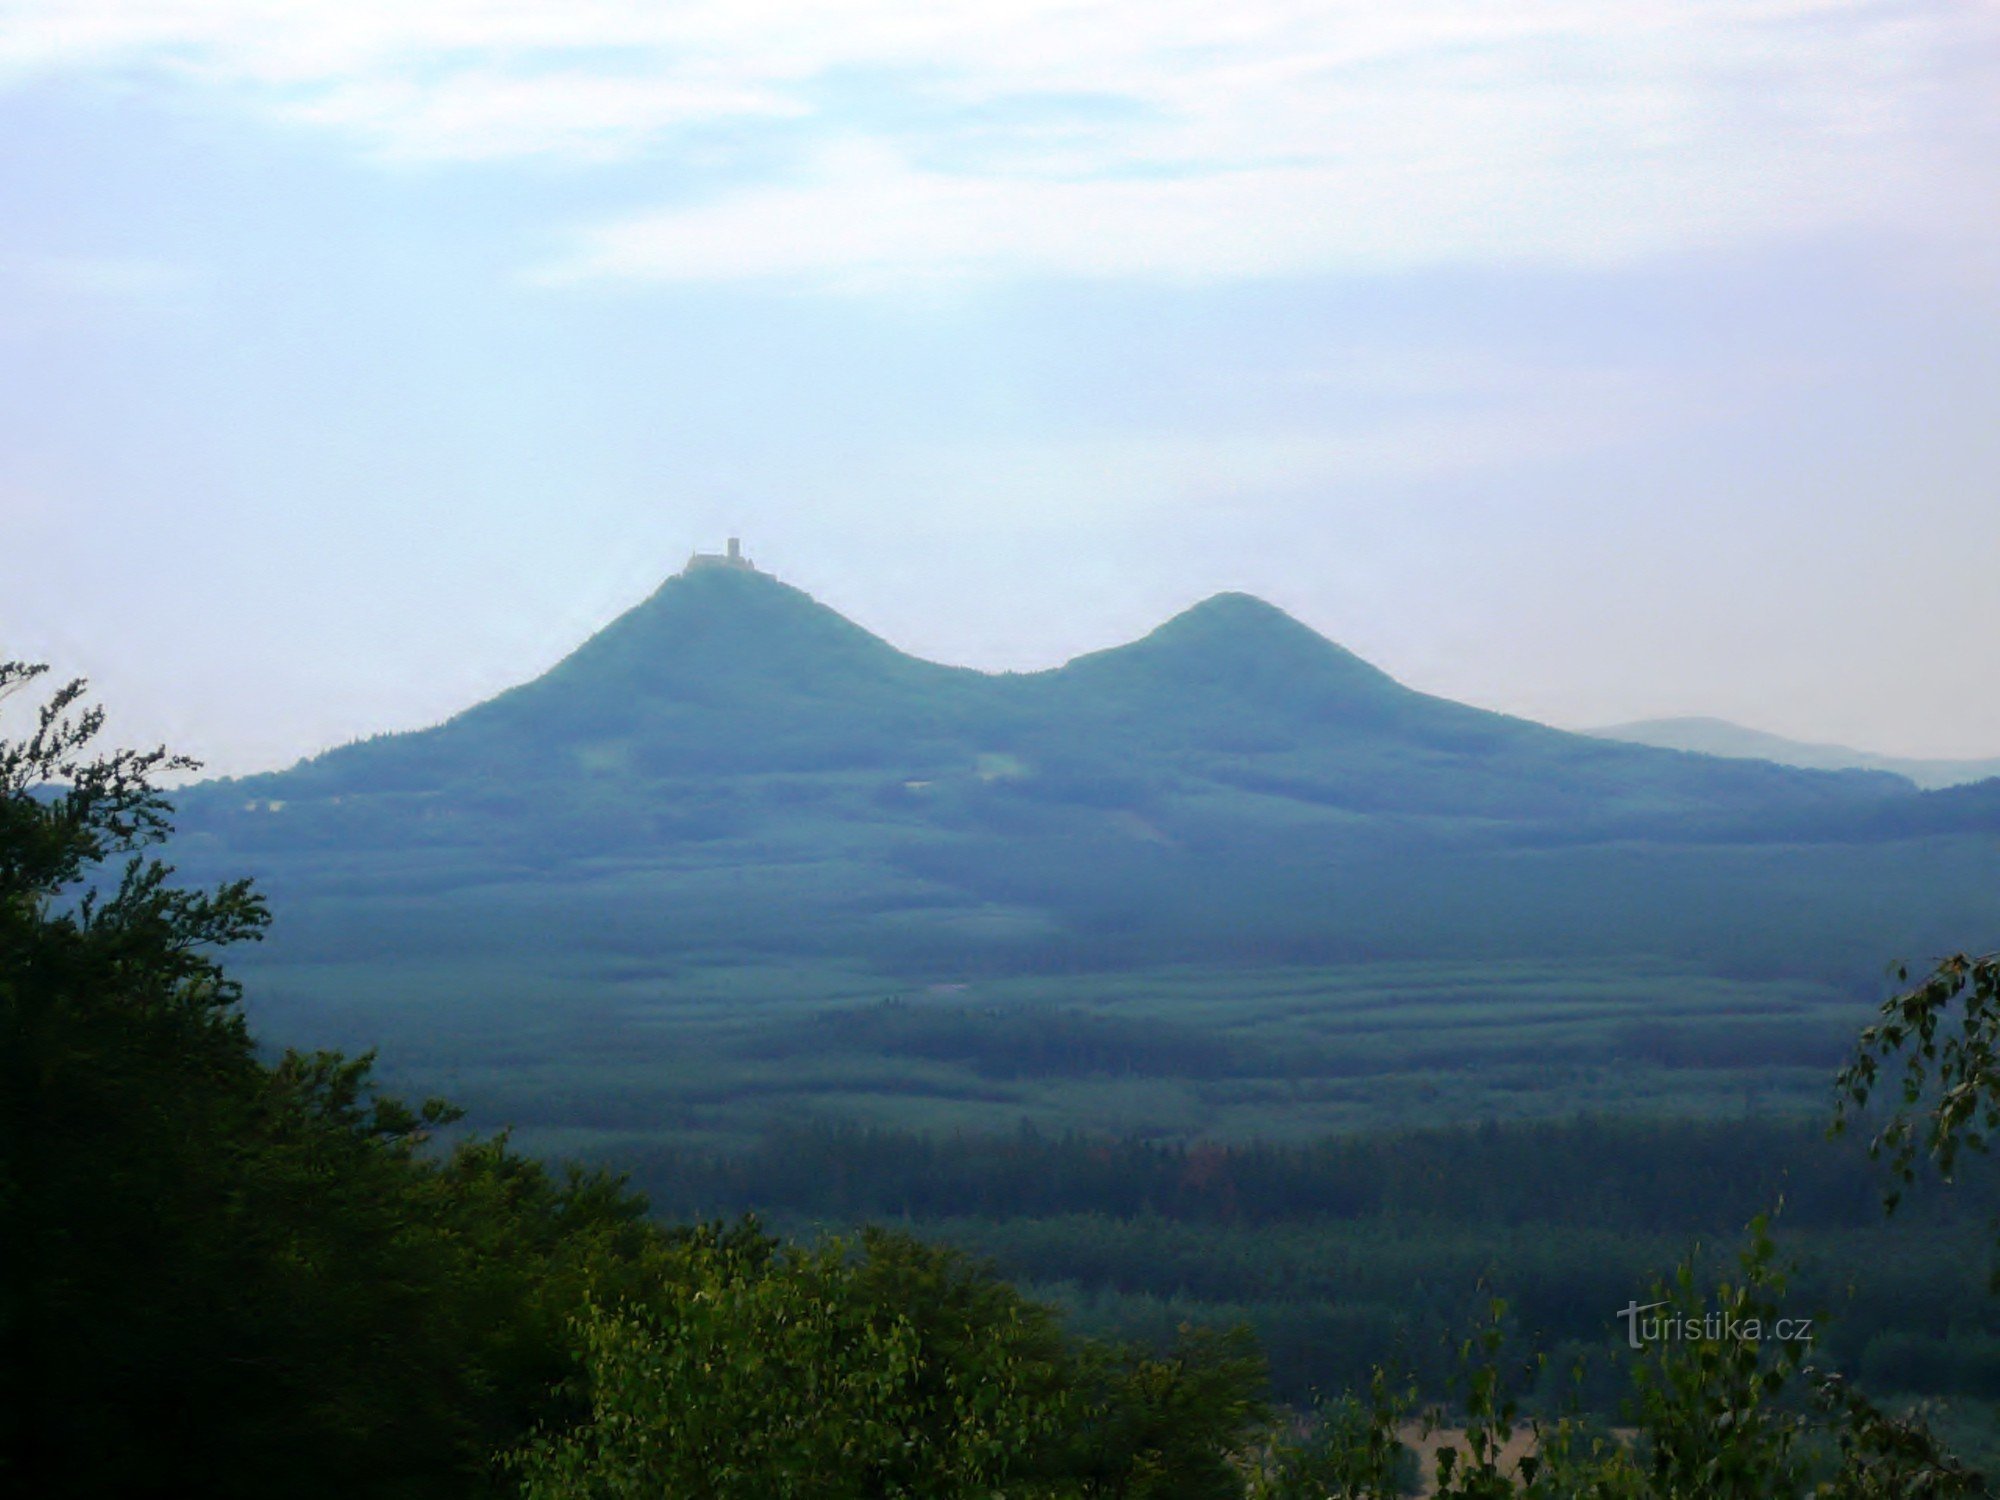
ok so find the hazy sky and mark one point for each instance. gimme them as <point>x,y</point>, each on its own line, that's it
<point>1589,359</point>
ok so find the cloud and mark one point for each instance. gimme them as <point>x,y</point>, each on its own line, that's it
<point>887,139</point>
<point>573,113</point>
<point>862,218</point>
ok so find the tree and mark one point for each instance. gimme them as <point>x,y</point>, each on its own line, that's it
<point>753,1370</point>
<point>1935,1052</point>
<point>225,1276</point>
<point>127,1071</point>
<point>884,1367</point>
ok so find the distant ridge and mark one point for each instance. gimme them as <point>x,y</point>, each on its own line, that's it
<point>1711,736</point>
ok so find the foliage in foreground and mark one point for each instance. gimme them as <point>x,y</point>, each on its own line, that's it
<point>227,1276</point>
<point>887,1368</point>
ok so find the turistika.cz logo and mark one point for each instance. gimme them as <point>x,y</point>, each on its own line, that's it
<point>1644,1325</point>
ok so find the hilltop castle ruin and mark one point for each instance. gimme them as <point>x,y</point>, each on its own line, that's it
<point>733,558</point>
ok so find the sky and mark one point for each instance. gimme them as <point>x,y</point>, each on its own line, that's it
<point>1585,359</point>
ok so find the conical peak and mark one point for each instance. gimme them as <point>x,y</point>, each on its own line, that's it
<point>724,618</point>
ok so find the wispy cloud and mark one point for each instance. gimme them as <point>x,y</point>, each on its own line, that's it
<point>885,139</point>
<point>860,216</point>
<point>499,114</point>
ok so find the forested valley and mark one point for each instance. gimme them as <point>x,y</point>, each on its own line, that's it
<point>232,1270</point>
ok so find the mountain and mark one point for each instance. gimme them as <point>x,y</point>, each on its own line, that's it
<point>1706,736</point>
<point>724,675</point>
<point>781,776</point>
<point>719,672</point>
<point>735,858</point>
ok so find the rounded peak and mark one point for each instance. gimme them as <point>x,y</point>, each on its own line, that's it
<point>1235,599</point>
<point>1237,608</point>
<point>1243,621</point>
<point>1244,648</point>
